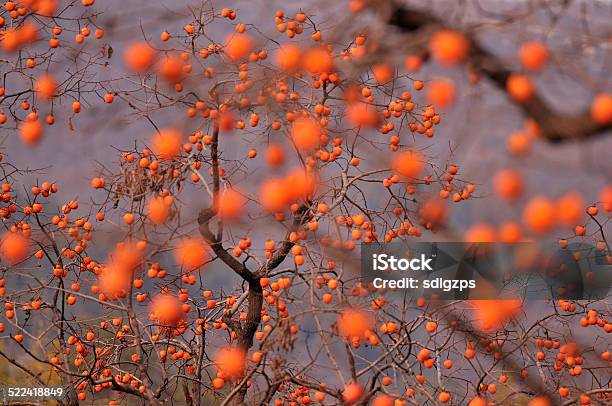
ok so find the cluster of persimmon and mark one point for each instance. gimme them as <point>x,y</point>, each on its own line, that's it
<point>534,56</point>
<point>90,342</point>
<point>449,48</point>
<point>448,186</point>
<point>592,319</point>
<point>301,100</point>
<point>7,199</point>
<point>541,215</point>
<point>356,325</point>
<point>317,61</point>
<point>272,298</point>
<point>360,229</point>
<point>32,21</point>
<point>293,26</point>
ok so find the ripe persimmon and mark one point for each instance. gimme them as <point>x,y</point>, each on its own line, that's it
<point>510,232</point>
<point>230,362</point>
<point>431,326</point>
<point>354,323</point>
<point>605,197</point>
<point>492,315</point>
<point>481,232</point>
<point>301,184</point>
<point>128,218</point>
<point>13,247</point>
<point>382,72</point>
<point>237,47</point>
<point>139,57</point>
<point>98,183</point>
<point>570,209</point>
<point>601,109</point>
<point>114,281</point>
<point>191,254</point>
<point>540,401</point>
<point>166,310</point>
<point>231,204</point>
<point>318,60</point>
<point>508,184</point>
<point>274,195</point>
<point>31,132</point>
<point>167,144</point>
<point>518,143</point>
<point>158,210</point>
<point>409,164</point>
<point>171,68</point>
<point>46,87</point>
<point>218,383</point>
<point>539,215</point>
<point>275,155</point>
<point>520,87</point>
<point>441,92</point>
<point>382,400</point>
<point>413,63</point>
<point>288,57</point>
<point>306,133</point>
<point>533,55</point>
<point>478,401</point>
<point>449,47</point>
<point>362,114</point>
<point>352,393</point>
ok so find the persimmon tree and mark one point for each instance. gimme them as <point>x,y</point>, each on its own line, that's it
<point>215,258</point>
